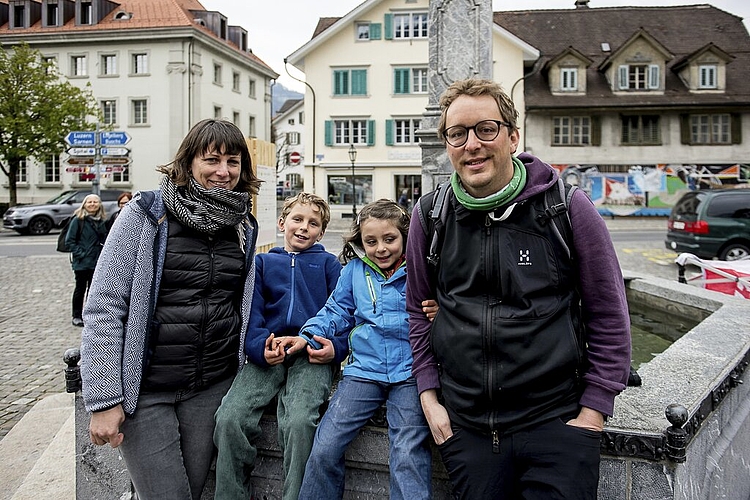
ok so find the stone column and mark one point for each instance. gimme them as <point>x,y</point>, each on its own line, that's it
<point>460,47</point>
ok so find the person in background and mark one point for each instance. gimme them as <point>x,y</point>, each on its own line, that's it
<point>523,361</point>
<point>291,285</point>
<point>365,317</point>
<point>403,200</point>
<point>167,319</point>
<point>86,234</point>
<point>122,200</point>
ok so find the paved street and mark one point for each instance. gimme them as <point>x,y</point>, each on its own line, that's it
<point>35,327</point>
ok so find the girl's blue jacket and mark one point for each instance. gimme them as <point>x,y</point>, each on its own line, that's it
<point>366,318</point>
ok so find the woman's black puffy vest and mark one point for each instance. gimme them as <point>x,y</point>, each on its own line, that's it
<point>508,335</point>
<point>195,334</point>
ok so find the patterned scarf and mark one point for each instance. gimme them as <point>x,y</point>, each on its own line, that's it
<point>205,210</point>
<point>493,201</point>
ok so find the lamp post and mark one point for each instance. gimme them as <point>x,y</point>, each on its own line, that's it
<point>353,158</point>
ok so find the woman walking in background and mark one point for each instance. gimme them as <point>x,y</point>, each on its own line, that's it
<point>86,234</point>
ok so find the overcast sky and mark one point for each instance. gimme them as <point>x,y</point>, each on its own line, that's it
<point>277,28</point>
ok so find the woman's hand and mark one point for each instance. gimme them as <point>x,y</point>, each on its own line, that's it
<point>105,426</point>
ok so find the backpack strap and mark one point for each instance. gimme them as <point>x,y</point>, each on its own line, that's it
<point>556,202</point>
<point>434,220</point>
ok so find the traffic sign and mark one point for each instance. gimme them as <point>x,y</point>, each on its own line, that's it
<point>81,151</point>
<point>294,158</point>
<point>115,160</point>
<point>117,138</point>
<point>115,151</point>
<point>80,160</point>
<point>81,138</point>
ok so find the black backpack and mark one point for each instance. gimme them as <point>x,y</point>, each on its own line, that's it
<point>61,246</point>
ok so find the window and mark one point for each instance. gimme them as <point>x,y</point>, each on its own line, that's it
<point>251,91</point>
<point>409,80</point>
<point>408,25</point>
<point>345,132</point>
<point>349,82</point>
<point>363,31</point>
<point>50,63</point>
<point>22,176</point>
<point>78,66</point>
<point>19,16</point>
<point>217,73</point>
<point>108,65</point>
<point>109,111</point>
<point>140,112</point>
<point>707,75</point>
<point>235,81</point>
<point>140,63</point>
<point>401,131</point>
<point>639,77</point>
<point>571,130</point>
<point>52,14</point>
<point>236,118</point>
<point>301,117</point>
<point>52,169</point>
<point>292,138</point>
<point>710,129</point>
<point>217,112</point>
<point>251,126</point>
<point>86,13</point>
<point>569,79</point>
<point>120,174</point>
<point>340,189</point>
<point>640,130</point>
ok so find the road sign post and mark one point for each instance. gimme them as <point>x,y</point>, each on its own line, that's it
<point>294,158</point>
<point>96,149</point>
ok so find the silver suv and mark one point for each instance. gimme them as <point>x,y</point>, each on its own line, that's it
<point>41,219</point>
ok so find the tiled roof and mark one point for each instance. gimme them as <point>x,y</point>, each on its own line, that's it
<point>682,30</point>
<point>288,104</point>
<point>323,24</point>
<point>144,14</point>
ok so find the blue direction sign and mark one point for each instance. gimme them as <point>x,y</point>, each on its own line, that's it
<point>81,138</point>
<point>117,138</point>
<point>115,151</point>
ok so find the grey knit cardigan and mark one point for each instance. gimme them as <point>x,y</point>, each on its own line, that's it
<point>121,300</point>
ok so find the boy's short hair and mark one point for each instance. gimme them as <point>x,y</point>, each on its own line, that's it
<point>307,198</point>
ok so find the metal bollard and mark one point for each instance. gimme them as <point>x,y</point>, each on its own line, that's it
<point>677,437</point>
<point>73,372</point>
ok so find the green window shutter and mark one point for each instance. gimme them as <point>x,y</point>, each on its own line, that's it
<point>596,131</point>
<point>341,82</point>
<point>375,31</point>
<point>370,132</point>
<point>389,124</point>
<point>736,124</point>
<point>329,132</point>
<point>401,80</point>
<point>359,82</point>
<point>685,129</point>
<point>388,26</point>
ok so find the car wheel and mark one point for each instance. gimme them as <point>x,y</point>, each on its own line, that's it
<point>40,225</point>
<point>734,251</point>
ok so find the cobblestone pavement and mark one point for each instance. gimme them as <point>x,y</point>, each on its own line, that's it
<point>35,331</point>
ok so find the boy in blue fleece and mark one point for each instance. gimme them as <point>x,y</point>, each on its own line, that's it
<point>291,286</point>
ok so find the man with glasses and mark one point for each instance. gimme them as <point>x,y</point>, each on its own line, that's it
<point>531,344</point>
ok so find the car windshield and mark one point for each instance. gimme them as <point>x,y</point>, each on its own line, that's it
<point>59,198</point>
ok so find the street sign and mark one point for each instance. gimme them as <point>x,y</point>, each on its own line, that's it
<point>81,138</point>
<point>116,138</point>
<point>81,151</point>
<point>115,151</point>
<point>294,158</point>
<point>80,160</point>
<point>115,160</point>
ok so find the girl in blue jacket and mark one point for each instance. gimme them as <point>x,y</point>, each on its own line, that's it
<point>369,304</point>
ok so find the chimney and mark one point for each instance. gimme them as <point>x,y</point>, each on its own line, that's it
<point>582,4</point>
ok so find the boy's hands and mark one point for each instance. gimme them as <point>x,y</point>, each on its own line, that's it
<point>323,355</point>
<point>277,349</point>
<point>274,351</point>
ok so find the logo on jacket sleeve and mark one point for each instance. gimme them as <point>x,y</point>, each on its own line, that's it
<point>524,258</point>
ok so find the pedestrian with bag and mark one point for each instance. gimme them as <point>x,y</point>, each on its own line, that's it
<point>520,367</point>
<point>85,237</point>
<point>169,309</point>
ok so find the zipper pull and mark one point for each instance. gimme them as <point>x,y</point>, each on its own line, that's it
<point>495,442</point>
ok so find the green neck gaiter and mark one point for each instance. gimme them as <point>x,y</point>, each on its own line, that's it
<point>494,201</point>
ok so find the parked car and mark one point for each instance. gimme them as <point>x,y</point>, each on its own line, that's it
<point>711,224</point>
<point>42,218</point>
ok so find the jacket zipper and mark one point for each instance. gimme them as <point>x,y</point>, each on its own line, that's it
<point>292,291</point>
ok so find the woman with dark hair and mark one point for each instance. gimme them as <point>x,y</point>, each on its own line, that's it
<point>122,200</point>
<point>171,298</point>
<point>85,236</point>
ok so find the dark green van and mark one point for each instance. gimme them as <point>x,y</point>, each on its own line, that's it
<point>711,224</point>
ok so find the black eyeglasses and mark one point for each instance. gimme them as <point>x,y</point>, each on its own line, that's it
<point>486,130</point>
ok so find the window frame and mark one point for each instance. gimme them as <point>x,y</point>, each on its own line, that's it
<point>573,130</point>
<point>139,63</point>
<point>569,79</point>
<point>639,133</point>
<point>135,120</point>
<point>79,70</point>
<point>349,82</point>
<point>708,76</point>
<point>710,129</point>
<point>104,64</point>
<point>52,169</point>
<point>103,105</point>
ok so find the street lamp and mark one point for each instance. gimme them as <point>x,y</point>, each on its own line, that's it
<point>353,158</point>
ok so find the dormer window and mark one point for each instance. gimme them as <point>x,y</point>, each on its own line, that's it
<point>87,13</point>
<point>19,16</point>
<point>708,76</point>
<point>569,79</point>
<point>639,77</point>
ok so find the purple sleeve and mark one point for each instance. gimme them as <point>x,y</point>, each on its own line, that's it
<point>424,366</point>
<point>605,308</point>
